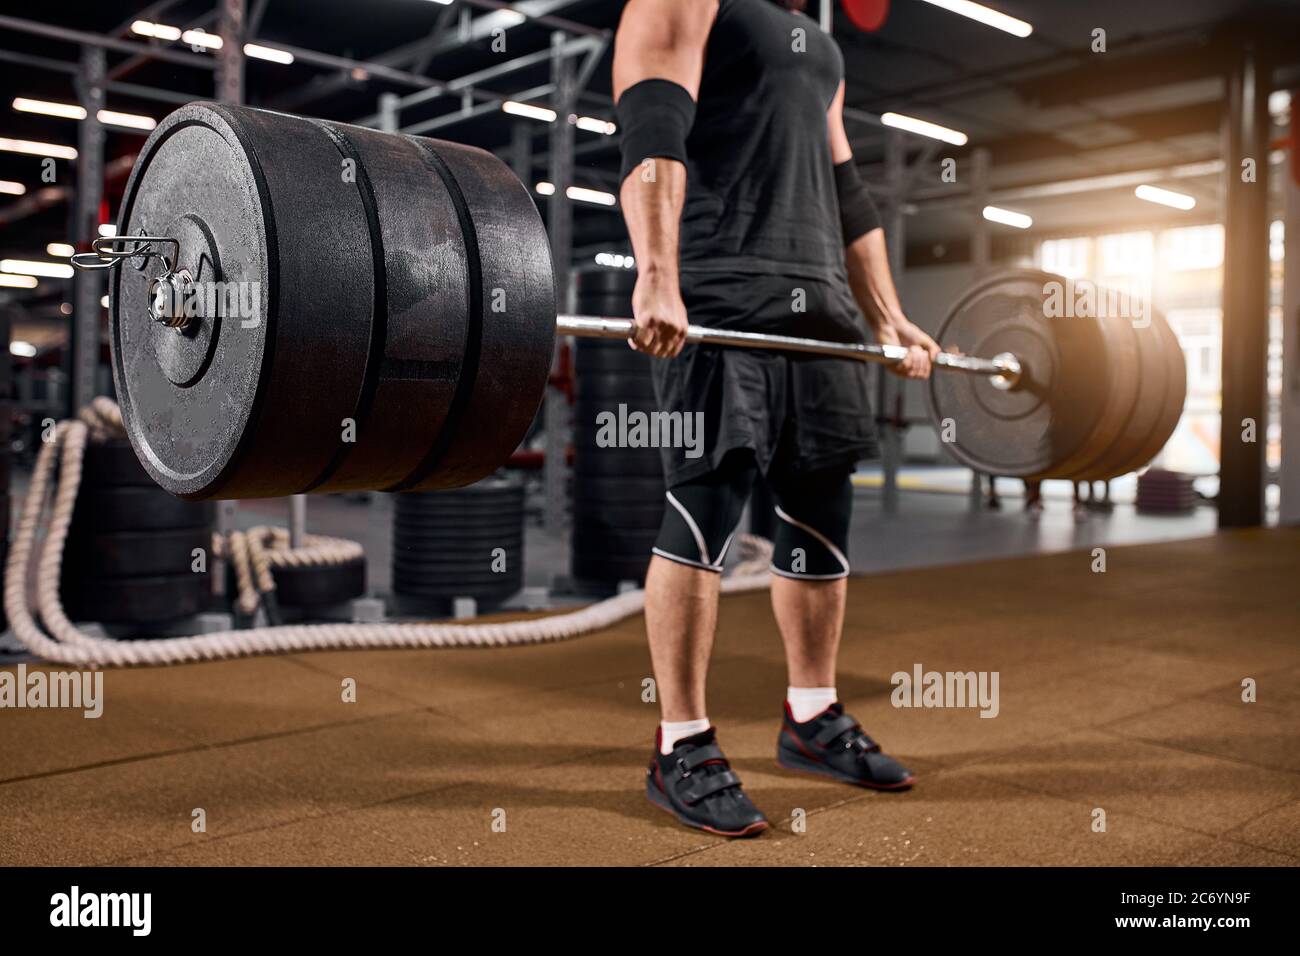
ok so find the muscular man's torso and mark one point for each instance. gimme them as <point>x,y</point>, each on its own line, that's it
<point>761,192</point>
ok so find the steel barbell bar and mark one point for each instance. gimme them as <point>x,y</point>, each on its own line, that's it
<point>1004,369</point>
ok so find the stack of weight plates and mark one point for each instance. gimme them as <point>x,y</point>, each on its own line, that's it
<point>311,588</point>
<point>466,542</point>
<point>130,554</point>
<point>618,493</point>
<point>1166,492</point>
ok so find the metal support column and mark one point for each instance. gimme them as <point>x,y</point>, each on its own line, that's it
<point>889,389</point>
<point>825,15</point>
<point>981,257</point>
<point>1289,477</point>
<point>229,88</point>
<point>87,285</point>
<point>560,222</point>
<point>1246,129</point>
<point>389,112</point>
<point>521,152</point>
<point>230,58</point>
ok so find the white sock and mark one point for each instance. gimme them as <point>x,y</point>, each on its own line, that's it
<point>672,731</point>
<point>807,702</point>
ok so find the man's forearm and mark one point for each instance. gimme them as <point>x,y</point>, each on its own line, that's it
<point>653,212</point>
<point>867,260</point>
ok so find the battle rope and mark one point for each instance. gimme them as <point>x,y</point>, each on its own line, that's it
<point>66,644</point>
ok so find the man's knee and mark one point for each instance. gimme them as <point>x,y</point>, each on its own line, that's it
<point>812,528</point>
<point>702,515</point>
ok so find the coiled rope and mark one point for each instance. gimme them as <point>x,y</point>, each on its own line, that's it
<point>66,644</point>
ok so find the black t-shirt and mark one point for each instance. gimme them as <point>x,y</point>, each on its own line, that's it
<point>760,196</point>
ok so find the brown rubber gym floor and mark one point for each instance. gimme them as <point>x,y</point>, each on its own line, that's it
<point>1119,691</point>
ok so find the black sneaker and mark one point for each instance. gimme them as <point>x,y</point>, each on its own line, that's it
<point>834,745</point>
<point>696,785</point>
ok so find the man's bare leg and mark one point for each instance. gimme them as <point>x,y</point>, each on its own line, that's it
<point>681,613</point>
<point>810,615</point>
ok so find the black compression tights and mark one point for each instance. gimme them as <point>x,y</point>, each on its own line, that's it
<point>812,518</point>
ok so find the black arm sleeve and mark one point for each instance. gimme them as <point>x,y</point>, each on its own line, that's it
<point>654,117</point>
<point>858,214</point>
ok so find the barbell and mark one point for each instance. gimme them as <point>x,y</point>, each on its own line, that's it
<point>302,306</point>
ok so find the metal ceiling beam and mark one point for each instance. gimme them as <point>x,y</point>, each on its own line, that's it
<point>427,47</point>
<point>469,81</point>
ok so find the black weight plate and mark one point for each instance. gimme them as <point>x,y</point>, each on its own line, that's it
<point>137,508</point>
<point>1145,413</point>
<point>1174,378</point>
<point>608,356</point>
<point>512,316</point>
<point>454,545</point>
<point>468,562</point>
<point>420,350</point>
<point>1027,431</point>
<point>608,571</point>
<point>1120,363</point>
<point>135,553</point>
<point>643,514</point>
<point>600,391</point>
<point>595,282</point>
<point>603,463</point>
<point>252,404</point>
<point>443,503</point>
<point>320,586</point>
<point>613,540</point>
<point>629,488</point>
<point>471,525</point>
<point>137,600</point>
<point>452,589</point>
<point>113,463</point>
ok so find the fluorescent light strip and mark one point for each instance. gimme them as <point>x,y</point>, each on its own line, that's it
<point>103,302</point>
<point>128,120</point>
<point>29,148</point>
<point>615,260</point>
<point>22,349</point>
<point>986,16</point>
<point>28,267</point>
<point>60,250</point>
<point>923,128</point>
<point>46,108</point>
<point>596,196</point>
<point>260,52</point>
<point>580,193</point>
<point>1007,218</point>
<point>74,112</point>
<point>10,188</point>
<point>17,282</point>
<point>529,110</point>
<point>107,229</point>
<point>594,125</point>
<point>156,31</point>
<point>202,38</point>
<point>1165,197</point>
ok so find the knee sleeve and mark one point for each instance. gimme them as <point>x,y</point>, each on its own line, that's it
<point>812,526</point>
<point>701,516</point>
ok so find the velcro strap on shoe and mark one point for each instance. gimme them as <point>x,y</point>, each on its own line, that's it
<point>826,736</point>
<point>701,787</point>
<point>700,756</point>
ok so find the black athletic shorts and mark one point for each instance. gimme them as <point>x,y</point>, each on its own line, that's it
<point>796,412</point>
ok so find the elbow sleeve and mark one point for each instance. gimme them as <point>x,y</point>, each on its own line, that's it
<point>858,214</point>
<point>654,117</point>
